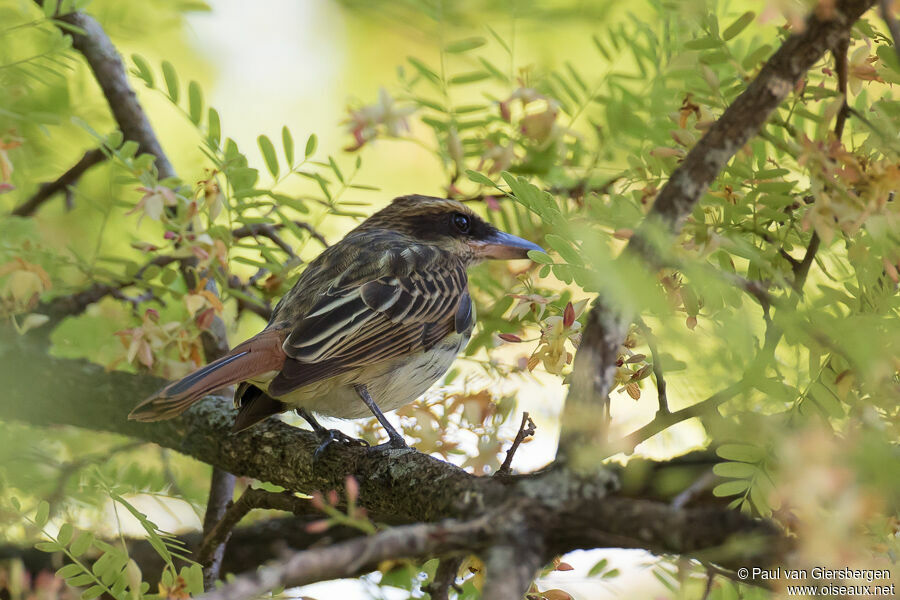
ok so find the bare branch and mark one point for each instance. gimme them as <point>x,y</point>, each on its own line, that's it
<point>61,184</point>
<point>267,228</point>
<point>840,64</point>
<point>358,556</point>
<point>444,579</point>
<point>885,7</point>
<point>221,491</point>
<point>663,421</point>
<point>526,429</point>
<point>216,536</point>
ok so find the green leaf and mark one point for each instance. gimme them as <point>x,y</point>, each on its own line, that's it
<point>92,592</point>
<point>80,580</point>
<point>423,70</point>
<point>50,7</point>
<point>740,452</point>
<point>737,470</point>
<point>730,488</point>
<point>195,102</point>
<point>334,167</point>
<point>311,143</point>
<point>171,80</point>
<point>464,45</point>
<point>43,514</point>
<point>598,568</point>
<point>129,149</point>
<point>70,570</point>
<point>564,248</point>
<point>65,534</point>
<point>48,547</point>
<point>540,257</point>
<point>288,142</point>
<point>214,126</point>
<point>480,178</point>
<point>738,26</point>
<point>469,78</point>
<point>81,543</point>
<point>268,153</point>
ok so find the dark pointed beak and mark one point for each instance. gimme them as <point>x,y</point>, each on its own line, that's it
<point>503,246</point>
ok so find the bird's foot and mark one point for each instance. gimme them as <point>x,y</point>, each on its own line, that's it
<point>395,442</point>
<point>330,436</point>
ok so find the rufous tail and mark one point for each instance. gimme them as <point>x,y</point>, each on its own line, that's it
<point>260,354</point>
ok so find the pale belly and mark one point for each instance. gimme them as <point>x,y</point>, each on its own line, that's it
<point>391,384</point>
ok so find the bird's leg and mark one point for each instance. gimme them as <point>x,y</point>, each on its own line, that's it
<point>395,440</point>
<point>327,436</point>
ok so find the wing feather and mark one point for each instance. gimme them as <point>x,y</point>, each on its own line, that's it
<point>405,310</point>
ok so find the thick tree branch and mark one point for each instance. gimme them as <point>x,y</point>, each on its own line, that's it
<point>587,407</point>
<point>570,511</point>
<point>61,184</point>
<point>358,556</point>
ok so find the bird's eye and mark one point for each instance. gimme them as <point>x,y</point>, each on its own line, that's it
<point>462,222</point>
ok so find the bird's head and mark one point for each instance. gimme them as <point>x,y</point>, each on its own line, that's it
<point>450,225</point>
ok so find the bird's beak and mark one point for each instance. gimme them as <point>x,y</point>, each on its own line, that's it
<point>503,246</point>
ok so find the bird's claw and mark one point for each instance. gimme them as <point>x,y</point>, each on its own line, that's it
<point>393,443</point>
<point>330,436</point>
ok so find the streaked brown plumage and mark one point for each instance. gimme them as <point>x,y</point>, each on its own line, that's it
<point>377,317</point>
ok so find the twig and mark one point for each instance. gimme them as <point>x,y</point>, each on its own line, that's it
<point>526,428</point>
<point>61,184</point>
<point>252,498</point>
<point>266,230</point>
<point>357,556</point>
<point>261,228</point>
<point>840,64</point>
<point>657,368</point>
<point>663,421</point>
<point>801,268</point>
<point>891,22</point>
<point>710,576</point>
<point>221,492</point>
<point>444,579</point>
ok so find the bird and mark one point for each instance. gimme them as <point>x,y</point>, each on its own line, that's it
<point>371,323</point>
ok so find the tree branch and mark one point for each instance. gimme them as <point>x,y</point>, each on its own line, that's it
<point>526,428</point>
<point>586,411</point>
<point>221,491</point>
<point>358,556</point>
<point>269,228</point>
<point>891,22</point>
<point>571,511</point>
<point>61,184</point>
<point>216,537</point>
